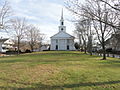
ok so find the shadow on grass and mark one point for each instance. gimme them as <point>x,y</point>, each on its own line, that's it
<point>40,86</point>
<point>35,61</point>
<point>42,61</point>
<point>111,63</point>
<point>11,61</point>
<point>78,85</point>
<point>57,53</point>
<point>19,58</point>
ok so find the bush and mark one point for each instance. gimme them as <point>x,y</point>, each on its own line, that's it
<point>27,51</point>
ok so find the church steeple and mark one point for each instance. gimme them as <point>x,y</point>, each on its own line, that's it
<point>62,27</point>
<point>62,14</point>
<point>62,19</point>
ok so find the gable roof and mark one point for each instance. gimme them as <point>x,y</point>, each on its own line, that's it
<point>3,39</point>
<point>62,35</point>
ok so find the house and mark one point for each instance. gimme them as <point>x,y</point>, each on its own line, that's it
<point>62,40</point>
<point>44,47</point>
<point>5,45</point>
<point>113,42</point>
<point>2,49</point>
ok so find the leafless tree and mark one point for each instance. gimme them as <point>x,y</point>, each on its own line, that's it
<point>34,36</point>
<point>99,13</point>
<point>41,37</point>
<point>114,4</point>
<point>19,27</point>
<point>114,8</point>
<point>81,30</point>
<point>5,14</point>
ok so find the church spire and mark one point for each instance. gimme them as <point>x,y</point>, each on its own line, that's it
<point>62,20</point>
<point>62,14</point>
<point>62,27</point>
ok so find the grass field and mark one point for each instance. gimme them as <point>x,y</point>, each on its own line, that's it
<point>63,70</point>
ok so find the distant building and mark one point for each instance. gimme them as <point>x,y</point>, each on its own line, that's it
<point>1,44</point>
<point>62,40</point>
<point>44,47</point>
<point>5,45</point>
<point>113,42</point>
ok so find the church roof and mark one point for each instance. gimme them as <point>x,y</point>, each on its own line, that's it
<point>62,34</point>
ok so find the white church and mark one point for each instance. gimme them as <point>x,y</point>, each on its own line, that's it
<point>62,40</point>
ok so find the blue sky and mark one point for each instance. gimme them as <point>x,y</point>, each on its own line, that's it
<point>44,14</point>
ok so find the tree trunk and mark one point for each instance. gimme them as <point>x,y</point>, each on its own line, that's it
<point>104,51</point>
<point>18,46</point>
<point>40,46</point>
<point>85,49</point>
<point>31,48</point>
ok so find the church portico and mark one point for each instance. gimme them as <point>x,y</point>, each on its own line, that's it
<point>62,40</point>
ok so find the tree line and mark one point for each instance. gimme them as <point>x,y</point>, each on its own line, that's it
<point>95,20</point>
<point>19,28</point>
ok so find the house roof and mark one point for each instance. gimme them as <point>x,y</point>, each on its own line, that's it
<point>3,39</point>
<point>62,34</point>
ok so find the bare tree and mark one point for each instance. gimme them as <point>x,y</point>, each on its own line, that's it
<point>113,4</point>
<point>83,31</point>
<point>77,8</point>
<point>19,27</point>
<point>5,14</point>
<point>99,13</point>
<point>33,36</point>
<point>41,37</point>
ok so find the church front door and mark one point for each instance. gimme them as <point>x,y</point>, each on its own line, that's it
<point>56,47</point>
<point>67,47</point>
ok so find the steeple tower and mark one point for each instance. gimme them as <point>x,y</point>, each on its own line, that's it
<point>62,14</point>
<point>62,27</point>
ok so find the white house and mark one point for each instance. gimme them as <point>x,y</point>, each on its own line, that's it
<point>6,44</point>
<point>1,44</point>
<point>62,40</point>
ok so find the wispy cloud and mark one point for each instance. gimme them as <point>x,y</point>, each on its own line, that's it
<point>43,13</point>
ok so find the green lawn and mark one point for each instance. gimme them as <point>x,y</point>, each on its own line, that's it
<point>63,70</point>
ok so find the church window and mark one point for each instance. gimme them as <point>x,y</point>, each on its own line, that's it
<point>56,41</point>
<point>62,29</point>
<point>56,47</point>
<point>68,41</point>
<point>62,23</point>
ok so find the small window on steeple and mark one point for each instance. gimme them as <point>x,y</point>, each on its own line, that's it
<point>62,23</point>
<point>61,29</point>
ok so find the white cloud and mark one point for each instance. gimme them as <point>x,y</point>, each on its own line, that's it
<point>15,1</point>
<point>43,13</point>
